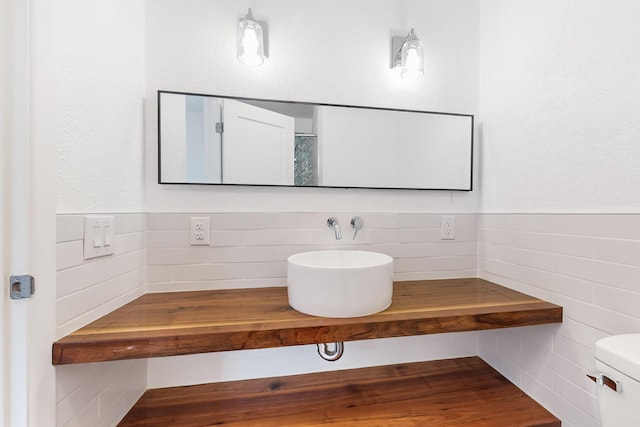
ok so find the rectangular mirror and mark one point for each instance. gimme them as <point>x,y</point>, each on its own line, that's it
<point>207,139</point>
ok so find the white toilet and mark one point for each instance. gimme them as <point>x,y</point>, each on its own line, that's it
<point>618,376</point>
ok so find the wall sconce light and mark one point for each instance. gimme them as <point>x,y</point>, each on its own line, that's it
<point>250,41</point>
<point>407,56</point>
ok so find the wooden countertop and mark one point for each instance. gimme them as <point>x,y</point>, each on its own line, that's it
<point>462,392</point>
<point>175,323</point>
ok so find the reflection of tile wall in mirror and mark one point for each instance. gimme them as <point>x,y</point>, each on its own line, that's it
<point>305,164</point>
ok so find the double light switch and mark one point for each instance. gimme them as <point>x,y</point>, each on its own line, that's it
<point>98,235</point>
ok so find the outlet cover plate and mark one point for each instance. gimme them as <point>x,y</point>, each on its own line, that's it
<point>448,227</point>
<point>200,231</point>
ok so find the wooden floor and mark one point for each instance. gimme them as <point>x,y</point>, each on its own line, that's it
<point>456,393</point>
<point>174,323</point>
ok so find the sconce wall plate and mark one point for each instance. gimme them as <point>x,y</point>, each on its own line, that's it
<point>396,50</point>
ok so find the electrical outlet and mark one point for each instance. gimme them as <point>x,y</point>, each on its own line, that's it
<point>200,231</point>
<point>448,228</point>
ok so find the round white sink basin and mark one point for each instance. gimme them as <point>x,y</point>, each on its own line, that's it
<point>339,283</point>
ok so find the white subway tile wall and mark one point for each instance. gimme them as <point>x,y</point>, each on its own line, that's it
<point>247,250</point>
<point>87,290</point>
<point>250,249</point>
<point>98,394</point>
<point>589,264</point>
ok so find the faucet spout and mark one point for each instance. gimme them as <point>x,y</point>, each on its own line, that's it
<point>333,223</point>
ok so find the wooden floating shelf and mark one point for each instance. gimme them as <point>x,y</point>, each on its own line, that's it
<point>176,323</point>
<point>456,393</point>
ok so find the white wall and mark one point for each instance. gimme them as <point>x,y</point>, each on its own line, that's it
<point>331,51</point>
<point>99,80</point>
<point>559,87</point>
<point>559,84</point>
<point>100,91</point>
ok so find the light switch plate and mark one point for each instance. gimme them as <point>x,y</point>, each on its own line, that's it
<point>98,235</point>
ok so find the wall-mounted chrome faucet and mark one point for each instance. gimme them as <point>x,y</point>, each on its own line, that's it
<point>332,222</point>
<point>356,224</point>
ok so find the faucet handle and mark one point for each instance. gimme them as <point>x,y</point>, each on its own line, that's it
<point>332,222</point>
<point>356,224</point>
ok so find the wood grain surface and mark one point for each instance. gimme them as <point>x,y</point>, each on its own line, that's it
<point>455,392</point>
<point>174,323</point>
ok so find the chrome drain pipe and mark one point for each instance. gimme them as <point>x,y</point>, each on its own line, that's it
<point>331,355</point>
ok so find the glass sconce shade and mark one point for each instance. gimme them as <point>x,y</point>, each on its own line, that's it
<point>412,61</point>
<point>250,41</point>
<point>408,56</point>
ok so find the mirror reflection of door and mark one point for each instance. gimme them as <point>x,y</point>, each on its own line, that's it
<point>191,152</point>
<point>203,142</point>
<point>258,145</point>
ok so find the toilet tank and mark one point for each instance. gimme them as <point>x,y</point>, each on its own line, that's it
<point>618,360</point>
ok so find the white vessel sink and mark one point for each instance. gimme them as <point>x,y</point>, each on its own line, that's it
<point>338,283</point>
